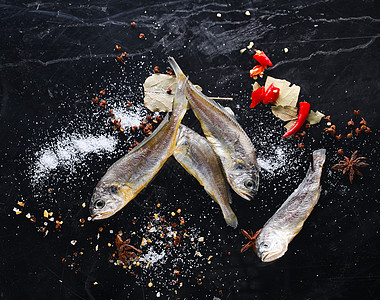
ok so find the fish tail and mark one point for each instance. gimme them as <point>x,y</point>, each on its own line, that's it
<point>176,68</point>
<point>319,157</point>
<point>231,220</point>
<point>180,101</point>
<point>229,216</point>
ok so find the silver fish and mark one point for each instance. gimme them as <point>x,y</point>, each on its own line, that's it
<point>227,138</point>
<point>273,239</point>
<point>198,158</point>
<point>130,174</point>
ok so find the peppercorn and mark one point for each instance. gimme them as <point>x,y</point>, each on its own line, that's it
<point>103,104</point>
<point>340,152</point>
<point>307,125</point>
<point>129,104</point>
<point>117,47</point>
<point>142,36</point>
<point>133,24</point>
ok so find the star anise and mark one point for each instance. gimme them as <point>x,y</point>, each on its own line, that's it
<point>351,165</point>
<point>252,239</point>
<point>126,250</point>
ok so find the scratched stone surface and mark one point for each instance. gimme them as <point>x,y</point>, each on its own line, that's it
<point>55,146</point>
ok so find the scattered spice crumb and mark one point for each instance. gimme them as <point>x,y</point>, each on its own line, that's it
<point>17,211</point>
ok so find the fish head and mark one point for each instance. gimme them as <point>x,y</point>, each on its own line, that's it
<point>244,179</point>
<point>270,245</point>
<point>107,199</point>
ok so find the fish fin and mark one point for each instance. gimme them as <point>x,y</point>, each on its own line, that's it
<point>176,68</point>
<point>229,194</point>
<point>162,124</point>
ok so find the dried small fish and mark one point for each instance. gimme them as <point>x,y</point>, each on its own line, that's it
<point>196,155</point>
<point>273,239</point>
<point>228,139</point>
<point>130,174</point>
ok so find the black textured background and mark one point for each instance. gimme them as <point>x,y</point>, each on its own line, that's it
<point>55,56</point>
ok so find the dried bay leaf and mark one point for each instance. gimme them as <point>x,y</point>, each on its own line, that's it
<point>156,97</point>
<point>290,124</point>
<point>288,92</point>
<point>314,117</point>
<point>285,113</point>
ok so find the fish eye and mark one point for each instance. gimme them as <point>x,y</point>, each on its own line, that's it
<point>249,184</point>
<point>264,245</point>
<point>114,189</point>
<point>100,204</point>
<point>239,166</point>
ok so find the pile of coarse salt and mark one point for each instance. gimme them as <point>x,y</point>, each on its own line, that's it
<point>67,151</point>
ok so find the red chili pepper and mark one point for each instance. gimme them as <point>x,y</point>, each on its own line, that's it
<point>257,70</point>
<point>257,95</point>
<point>302,115</point>
<point>262,58</point>
<point>271,94</point>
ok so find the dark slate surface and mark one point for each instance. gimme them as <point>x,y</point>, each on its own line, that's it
<point>55,56</point>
